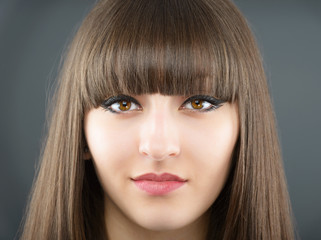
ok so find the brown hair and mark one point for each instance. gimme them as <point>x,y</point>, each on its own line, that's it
<point>174,47</point>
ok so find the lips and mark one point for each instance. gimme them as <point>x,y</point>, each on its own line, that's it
<point>159,178</point>
<point>155,184</point>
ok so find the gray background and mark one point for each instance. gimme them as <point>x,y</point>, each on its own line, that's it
<point>33,35</point>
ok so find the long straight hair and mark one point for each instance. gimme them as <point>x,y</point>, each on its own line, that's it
<point>172,47</point>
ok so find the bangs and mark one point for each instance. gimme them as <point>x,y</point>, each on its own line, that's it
<point>167,47</point>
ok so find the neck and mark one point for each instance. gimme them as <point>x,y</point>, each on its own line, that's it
<point>120,227</point>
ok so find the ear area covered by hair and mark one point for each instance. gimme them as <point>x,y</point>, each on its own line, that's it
<point>87,154</point>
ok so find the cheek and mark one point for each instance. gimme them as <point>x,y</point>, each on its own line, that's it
<point>212,145</point>
<point>220,142</point>
<point>111,148</point>
<point>214,139</point>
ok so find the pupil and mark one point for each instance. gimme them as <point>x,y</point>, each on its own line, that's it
<point>124,105</point>
<point>197,104</point>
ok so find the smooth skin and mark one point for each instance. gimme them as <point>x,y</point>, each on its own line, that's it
<point>160,135</point>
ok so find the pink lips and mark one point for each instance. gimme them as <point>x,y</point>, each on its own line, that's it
<point>158,184</point>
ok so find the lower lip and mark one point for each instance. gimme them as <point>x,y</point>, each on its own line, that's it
<point>158,188</point>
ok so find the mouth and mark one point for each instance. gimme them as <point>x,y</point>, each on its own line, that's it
<point>155,184</point>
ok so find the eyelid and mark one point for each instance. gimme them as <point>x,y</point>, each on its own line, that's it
<point>117,98</point>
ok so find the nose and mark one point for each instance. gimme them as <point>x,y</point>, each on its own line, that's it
<point>159,138</point>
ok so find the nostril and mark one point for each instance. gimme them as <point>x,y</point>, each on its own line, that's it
<point>159,154</point>
<point>158,149</point>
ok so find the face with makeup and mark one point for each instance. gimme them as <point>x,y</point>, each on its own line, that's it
<point>191,140</point>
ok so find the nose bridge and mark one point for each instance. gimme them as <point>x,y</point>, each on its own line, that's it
<point>159,122</point>
<point>159,133</point>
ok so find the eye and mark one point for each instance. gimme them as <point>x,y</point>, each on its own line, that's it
<point>120,104</point>
<point>124,103</point>
<point>201,103</point>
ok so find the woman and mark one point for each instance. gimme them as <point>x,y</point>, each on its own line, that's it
<point>162,128</point>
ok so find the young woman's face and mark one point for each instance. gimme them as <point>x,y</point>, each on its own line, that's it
<point>185,150</point>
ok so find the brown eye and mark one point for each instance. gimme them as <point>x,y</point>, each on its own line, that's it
<point>121,104</point>
<point>197,104</point>
<point>124,105</point>
<point>201,103</point>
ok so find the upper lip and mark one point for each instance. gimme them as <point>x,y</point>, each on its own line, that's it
<point>159,178</point>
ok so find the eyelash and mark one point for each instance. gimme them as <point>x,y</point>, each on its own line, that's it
<point>216,103</point>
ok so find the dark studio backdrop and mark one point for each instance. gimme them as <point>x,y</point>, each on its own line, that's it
<point>34,33</point>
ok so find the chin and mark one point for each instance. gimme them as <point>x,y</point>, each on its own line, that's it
<point>161,226</point>
<point>163,223</point>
